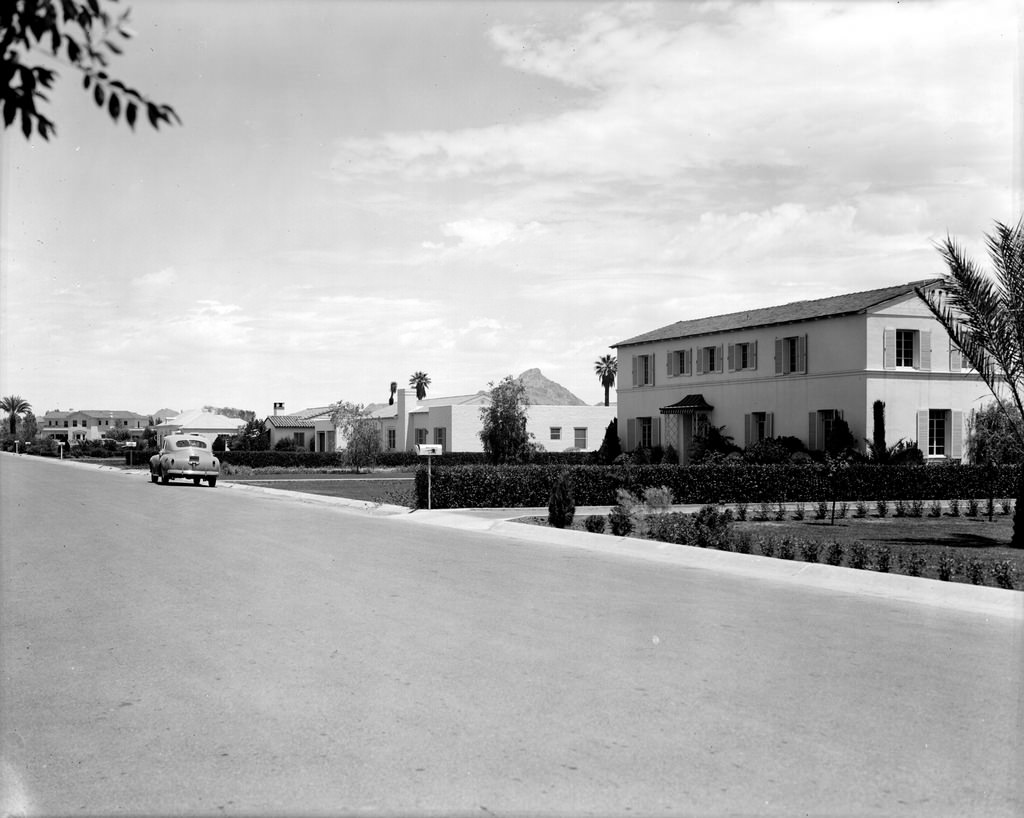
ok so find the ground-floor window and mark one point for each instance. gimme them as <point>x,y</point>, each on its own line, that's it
<point>644,431</point>
<point>392,438</point>
<point>758,427</point>
<point>299,439</point>
<point>937,426</point>
<point>421,437</point>
<point>556,432</point>
<point>440,435</point>
<point>580,437</point>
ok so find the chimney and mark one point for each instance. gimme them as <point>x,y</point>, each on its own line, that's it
<point>402,401</point>
<point>278,406</point>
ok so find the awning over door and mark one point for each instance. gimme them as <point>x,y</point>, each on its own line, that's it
<point>691,403</point>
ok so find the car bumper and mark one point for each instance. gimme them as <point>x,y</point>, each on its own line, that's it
<point>193,473</point>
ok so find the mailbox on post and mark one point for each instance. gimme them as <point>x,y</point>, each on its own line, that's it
<point>429,450</point>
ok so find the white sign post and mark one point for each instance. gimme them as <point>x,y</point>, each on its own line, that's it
<point>428,450</point>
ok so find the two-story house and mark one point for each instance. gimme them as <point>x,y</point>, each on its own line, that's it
<point>91,424</point>
<point>791,370</point>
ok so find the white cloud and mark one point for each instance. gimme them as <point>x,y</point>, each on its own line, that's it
<point>157,279</point>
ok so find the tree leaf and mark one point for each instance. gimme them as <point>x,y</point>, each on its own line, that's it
<point>130,114</point>
<point>114,106</point>
<point>98,95</point>
<point>10,111</point>
<point>153,114</point>
<point>86,81</point>
<point>74,50</point>
<point>26,122</point>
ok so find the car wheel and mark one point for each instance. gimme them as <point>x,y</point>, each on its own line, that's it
<point>212,481</point>
<point>153,476</point>
<point>165,478</point>
<point>195,481</point>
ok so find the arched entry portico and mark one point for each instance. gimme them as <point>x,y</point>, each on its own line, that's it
<point>683,421</point>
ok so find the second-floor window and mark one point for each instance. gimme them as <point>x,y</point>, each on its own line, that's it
<point>791,355</point>
<point>643,370</point>
<point>709,359</point>
<point>907,349</point>
<point>743,356</point>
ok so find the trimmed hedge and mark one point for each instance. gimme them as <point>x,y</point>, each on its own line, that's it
<point>411,460</point>
<point>517,486</point>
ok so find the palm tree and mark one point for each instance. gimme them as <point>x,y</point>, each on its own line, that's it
<point>14,405</point>
<point>606,367</point>
<point>984,315</point>
<point>420,381</point>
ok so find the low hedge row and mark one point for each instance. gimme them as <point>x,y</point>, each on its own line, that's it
<point>530,485</point>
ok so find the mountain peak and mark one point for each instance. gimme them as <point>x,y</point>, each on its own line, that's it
<point>543,391</point>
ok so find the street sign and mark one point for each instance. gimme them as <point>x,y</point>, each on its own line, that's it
<point>429,449</point>
<point>131,444</point>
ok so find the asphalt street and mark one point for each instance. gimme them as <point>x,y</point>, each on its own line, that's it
<point>187,650</point>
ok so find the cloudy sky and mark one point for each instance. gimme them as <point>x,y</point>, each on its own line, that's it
<point>361,190</point>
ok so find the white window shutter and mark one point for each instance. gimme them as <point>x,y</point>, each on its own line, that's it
<point>655,432</point>
<point>668,364</point>
<point>956,435</point>
<point>720,356</point>
<point>630,434</point>
<point>889,348</point>
<point>769,424</point>
<point>925,354</point>
<point>812,431</point>
<point>748,429</point>
<point>801,353</point>
<point>732,357</point>
<point>955,358</point>
<point>700,361</point>
<point>634,370</point>
<point>922,430</point>
<point>753,355</point>
<point>778,357</point>
<point>651,369</point>
<point>688,361</point>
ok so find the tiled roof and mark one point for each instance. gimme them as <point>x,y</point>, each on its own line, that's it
<point>290,422</point>
<point>309,414</point>
<point>784,314</point>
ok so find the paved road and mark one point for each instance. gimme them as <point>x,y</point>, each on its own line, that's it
<point>221,651</point>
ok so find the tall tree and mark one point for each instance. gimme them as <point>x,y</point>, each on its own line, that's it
<point>14,405</point>
<point>359,432</point>
<point>82,34</point>
<point>504,417</point>
<point>984,315</point>
<point>420,381</point>
<point>607,368</point>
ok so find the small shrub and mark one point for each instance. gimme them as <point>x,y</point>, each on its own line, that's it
<point>859,555</point>
<point>659,499</point>
<point>799,511</point>
<point>912,563</point>
<point>900,509</point>
<point>947,566</point>
<point>1005,506</point>
<point>842,510</point>
<point>1004,573</point>
<point>883,559</point>
<point>620,521</point>
<point>742,509</point>
<point>742,542</point>
<point>767,545</point>
<point>860,509</point>
<point>821,510</point>
<point>674,528</point>
<point>916,508</point>
<point>764,511</point>
<point>882,508</point>
<point>809,550</point>
<point>935,509</point>
<point>954,508</point>
<point>972,508</point>
<point>561,506</point>
<point>780,512</point>
<point>974,570</point>
<point>711,528</point>
<point>595,524</point>
<point>834,553</point>
<point>786,549</point>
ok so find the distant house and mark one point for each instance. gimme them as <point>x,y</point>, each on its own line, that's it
<point>455,424</point>
<point>310,429</point>
<point>200,422</point>
<point>91,424</point>
<point>793,370</point>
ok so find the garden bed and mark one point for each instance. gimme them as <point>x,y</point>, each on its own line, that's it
<point>958,549</point>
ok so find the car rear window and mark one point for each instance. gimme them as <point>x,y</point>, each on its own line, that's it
<point>195,444</point>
